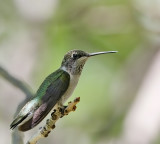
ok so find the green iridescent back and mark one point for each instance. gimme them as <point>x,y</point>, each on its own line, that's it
<point>49,80</point>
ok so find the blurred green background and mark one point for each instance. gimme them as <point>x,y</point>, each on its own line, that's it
<point>34,37</point>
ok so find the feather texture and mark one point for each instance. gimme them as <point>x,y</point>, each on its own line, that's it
<point>49,93</point>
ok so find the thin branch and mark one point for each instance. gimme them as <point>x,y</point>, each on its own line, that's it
<point>17,83</point>
<point>17,136</point>
<point>50,123</point>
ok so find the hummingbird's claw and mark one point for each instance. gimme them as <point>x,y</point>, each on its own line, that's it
<point>62,109</point>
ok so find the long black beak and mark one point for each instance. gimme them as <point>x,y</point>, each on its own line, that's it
<point>99,53</point>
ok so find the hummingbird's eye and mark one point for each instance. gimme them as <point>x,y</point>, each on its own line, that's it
<point>75,56</point>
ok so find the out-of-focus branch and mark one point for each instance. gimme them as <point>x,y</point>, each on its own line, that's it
<point>17,136</point>
<point>142,122</point>
<point>17,83</point>
<point>50,123</point>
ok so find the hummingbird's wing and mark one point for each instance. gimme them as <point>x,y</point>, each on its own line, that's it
<point>49,92</point>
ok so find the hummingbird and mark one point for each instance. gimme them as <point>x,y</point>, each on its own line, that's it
<point>54,90</point>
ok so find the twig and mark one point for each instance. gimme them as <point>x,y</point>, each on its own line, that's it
<point>50,123</point>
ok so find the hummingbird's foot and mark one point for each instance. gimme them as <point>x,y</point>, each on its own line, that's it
<point>57,113</point>
<point>62,110</point>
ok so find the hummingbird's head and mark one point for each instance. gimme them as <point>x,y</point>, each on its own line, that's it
<point>74,60</point>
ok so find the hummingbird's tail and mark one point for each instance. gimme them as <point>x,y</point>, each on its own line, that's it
<point>17,121</point>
